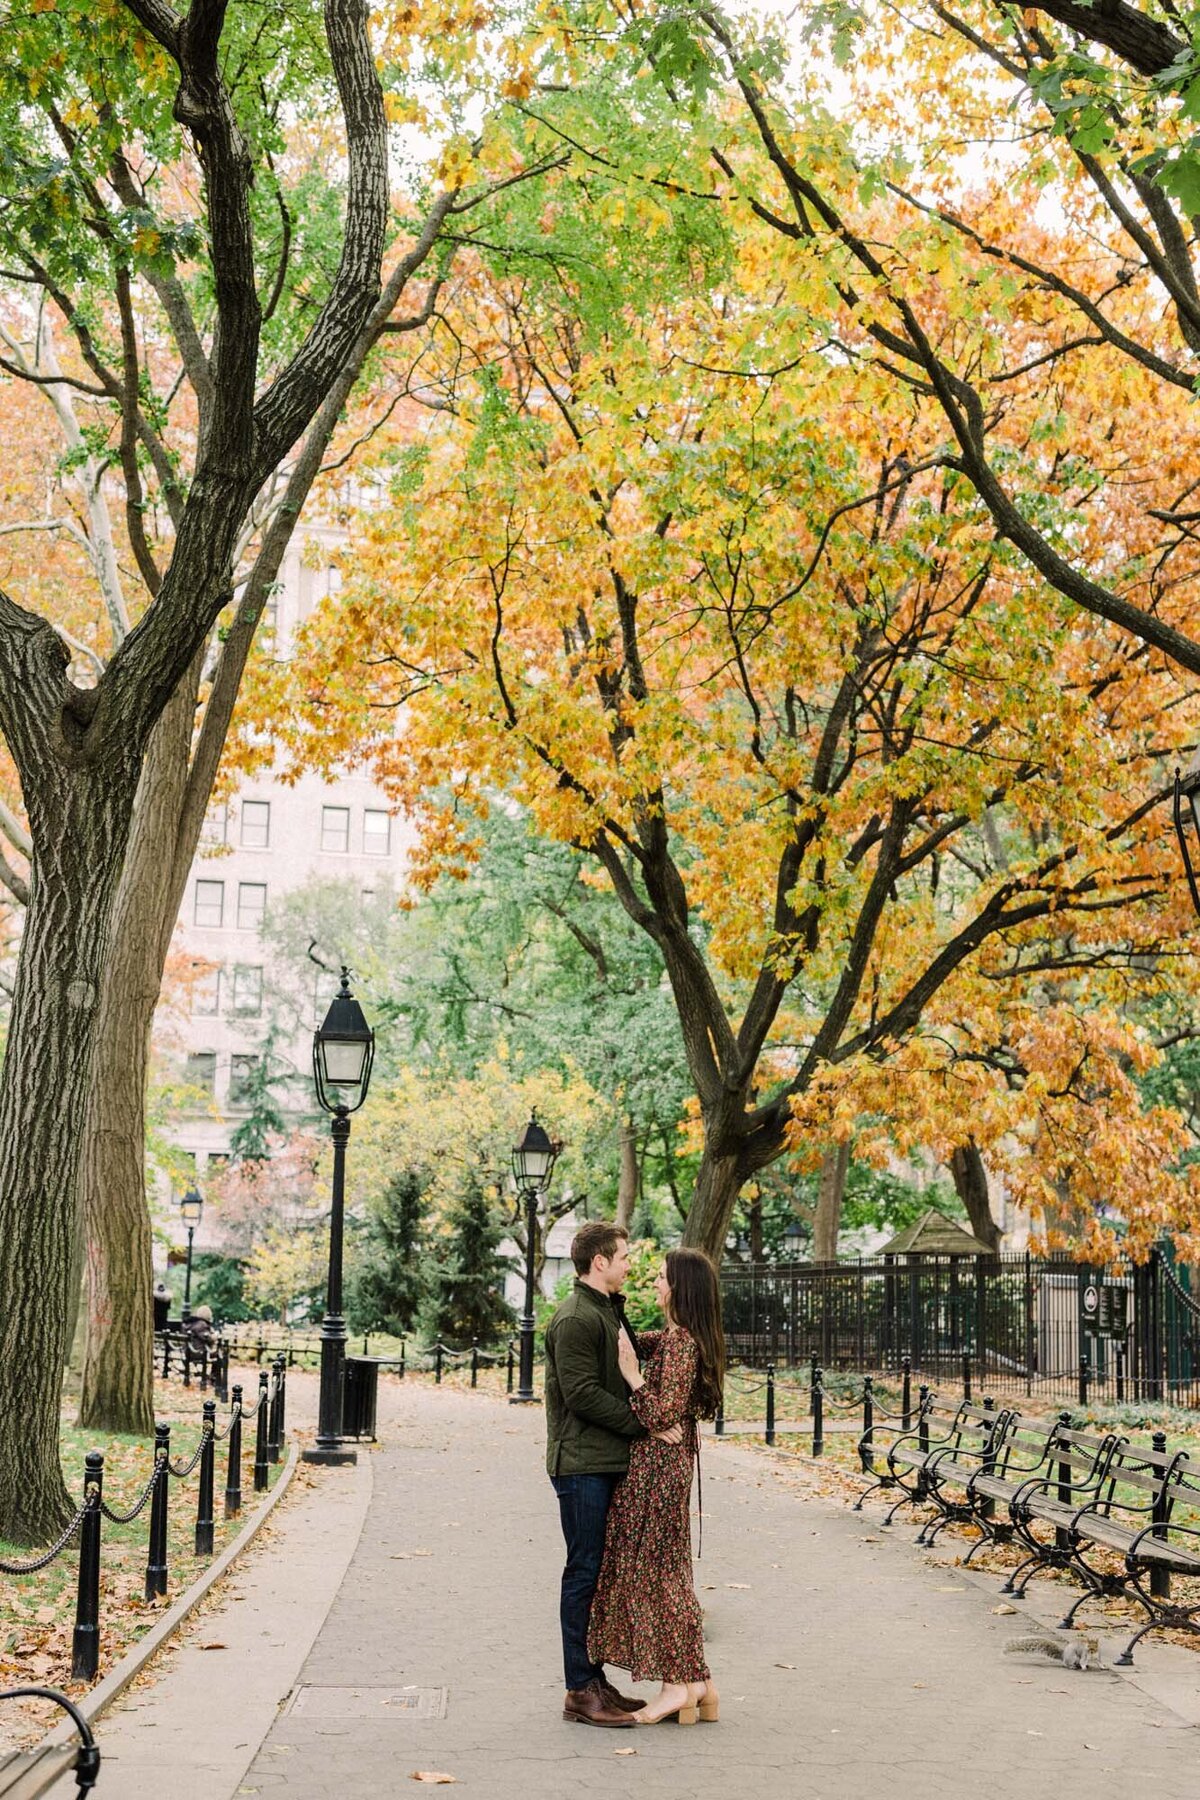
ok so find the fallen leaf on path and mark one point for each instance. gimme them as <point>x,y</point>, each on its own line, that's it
<point>952,1590</point>
<point>630,1751</point>
<point>407,1555</point>
<point>1004,1609</point>
<point>213,1646</point>
<point>437,1776</point>
<point>742,1586</point>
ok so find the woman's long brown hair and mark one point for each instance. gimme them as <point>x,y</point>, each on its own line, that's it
<point>696,1306</point>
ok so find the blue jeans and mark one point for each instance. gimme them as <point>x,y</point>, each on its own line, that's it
<point>583,1502</point>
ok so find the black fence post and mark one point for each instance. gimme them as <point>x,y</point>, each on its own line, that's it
<point>814,1375</point>
<point>166,1355</point>
<point>204,1497</point>
<point>221,1374</point>
<point>1085,1369</point>
<point>274,1432</point>
<point>403,1354</point>
<point>966,1374</point>
<point>511,1366</point>
<point>1160,1575</point>
<point>233,1468</point>
<point>1120,1372</point>
<point>987,1508</point>
<point>85,1643</point>
<point>204,1368</point>
<point>474,1362</point>
<point>719,1416</point>
<point>906,1395</point>
<point>187,1361</point>
<point>818,1416</point>
<point>437,1362</point>
<point>156,1557</point>
<point>770,1432</point>
<point>867,1441</point>
<point>261,1461</point>
<point>281,1436</point>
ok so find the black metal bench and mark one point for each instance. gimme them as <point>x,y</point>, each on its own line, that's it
<point>1021,1448</point>
<point>25,1774</point>
<point>914,1456</point>
<point>1128,1504</point>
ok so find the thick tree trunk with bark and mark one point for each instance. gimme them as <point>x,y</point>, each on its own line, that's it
<point>971,1185</point>
<point>718,1184</point>
<point>118,1376</point>
<point>627,1186</point>
<point>79,816</point>
<point>831,1191</point>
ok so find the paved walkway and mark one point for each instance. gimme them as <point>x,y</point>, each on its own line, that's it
<point>849,1665</point>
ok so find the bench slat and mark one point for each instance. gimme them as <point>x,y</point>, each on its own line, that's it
<point>26,1774</point>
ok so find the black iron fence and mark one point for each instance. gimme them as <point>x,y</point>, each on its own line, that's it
<point>268,1414</point>
<point>1029,1325</point>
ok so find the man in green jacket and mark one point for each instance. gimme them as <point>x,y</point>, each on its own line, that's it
<point>589,1428</point>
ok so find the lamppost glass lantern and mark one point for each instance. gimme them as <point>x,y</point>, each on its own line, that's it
<point>791,1240</point>
<point>1187,826</point>
<point>191,1208</point>
<point>343,1053</point>
<point>534,1157</point>
<point>532,1161</point>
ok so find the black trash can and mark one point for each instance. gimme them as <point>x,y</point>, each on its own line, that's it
<point>360,1392</point>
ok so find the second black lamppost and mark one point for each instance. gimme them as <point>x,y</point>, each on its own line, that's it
<point>532,1161</point>
<point>191,1209</point>
<point>343,1051</point>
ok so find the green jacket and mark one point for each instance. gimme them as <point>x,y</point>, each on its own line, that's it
<point>589,1421</point>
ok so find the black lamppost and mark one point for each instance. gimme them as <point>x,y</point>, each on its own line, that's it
<point>191,1209</point>
<point>1187,823</point>
<point>532,1160</point>
<point>791,1240</point>
<point>343,1051</point>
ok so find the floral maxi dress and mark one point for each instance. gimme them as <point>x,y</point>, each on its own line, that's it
<point>645,1615</point>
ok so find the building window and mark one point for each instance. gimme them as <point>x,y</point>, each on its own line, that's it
<point>215,830</point>
<point>377,831</point>
<point>335,828</point>
<point>252,904</point>
<point>256,824</point>
<point>217,1162</point>
<point>243,1077</point>
<point>210,903</point>
<point>201,1071</point>
<point>247,990</point>
<point>206,993</point>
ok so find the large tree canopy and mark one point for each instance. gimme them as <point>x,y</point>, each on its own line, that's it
<point>688,569</point>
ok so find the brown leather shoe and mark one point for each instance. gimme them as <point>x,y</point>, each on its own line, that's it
<point>590,1705</point>
<point>622,1702</point>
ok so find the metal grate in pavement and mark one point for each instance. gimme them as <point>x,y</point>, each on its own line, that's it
<point>368,1702</point>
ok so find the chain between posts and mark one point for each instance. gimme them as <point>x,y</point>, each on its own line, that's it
<point>88,1518</point>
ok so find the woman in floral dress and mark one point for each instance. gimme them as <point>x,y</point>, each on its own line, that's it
<point>645,1614</point>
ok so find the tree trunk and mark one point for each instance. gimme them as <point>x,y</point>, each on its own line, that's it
<point>971,1185</point>
<point>831,1191</point>
<point>79,816</point>
<point>118,1375</point>
<point>627,1189</point>
<point>718,1184</point>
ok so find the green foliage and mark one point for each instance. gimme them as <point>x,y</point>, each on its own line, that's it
<point>466,1275</point>
<point>387,1278</point>
<point>641,1302</point>
<point>264,1124</point>
<point>220,1282</point>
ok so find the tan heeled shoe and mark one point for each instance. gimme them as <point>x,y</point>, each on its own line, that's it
<point>683,1714</point>
<point>709,1705</point>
